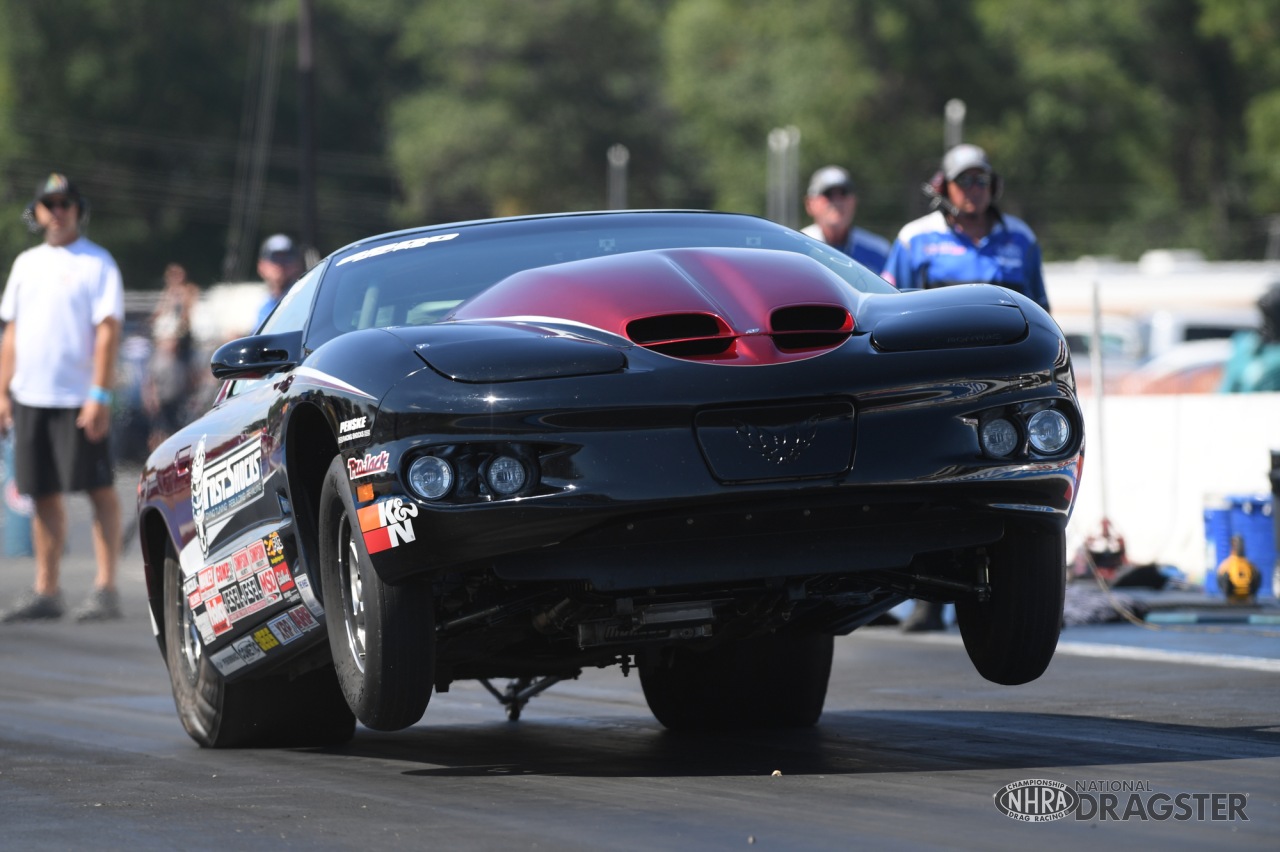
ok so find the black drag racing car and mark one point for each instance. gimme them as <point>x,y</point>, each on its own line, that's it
<point>696,444</point>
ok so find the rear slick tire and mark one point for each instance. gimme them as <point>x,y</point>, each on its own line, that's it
<point>776,681</point>
<point>1011,637</point>
<point>274,711</point>
<point>382,636</point>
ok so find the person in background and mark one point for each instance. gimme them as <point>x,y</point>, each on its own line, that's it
<point>967,239</point>
<point>169,380</point>
<point>832,203</point>
<point>63,307</point>
<point>1254,364</point>
<point>279,265</point>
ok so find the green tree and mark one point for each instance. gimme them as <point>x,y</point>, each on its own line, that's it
<point>1252,32</point>
<point>517,103</point>
<point>117,94</point>
<point>859,78</point>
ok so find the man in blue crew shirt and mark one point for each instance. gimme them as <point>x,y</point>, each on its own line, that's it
<point>967,239</point>
<point>832,203</point>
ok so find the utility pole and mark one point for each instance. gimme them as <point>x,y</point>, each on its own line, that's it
<point>618,158</point>
<point>782,199</point>
<point>953,123</point>
<point>306,130</point>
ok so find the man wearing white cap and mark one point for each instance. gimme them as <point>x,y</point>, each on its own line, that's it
<point>832,203</point>
<point>967,239</point>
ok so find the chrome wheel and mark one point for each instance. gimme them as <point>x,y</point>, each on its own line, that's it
<point>353,581</point>
<point>191,649</point>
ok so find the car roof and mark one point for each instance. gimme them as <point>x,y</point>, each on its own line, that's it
<point>533,217</point>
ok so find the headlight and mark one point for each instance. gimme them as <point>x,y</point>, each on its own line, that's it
<point>999,437</point>
<point>1048,430</point>
<point>506,475</point>
<point>430,477</point>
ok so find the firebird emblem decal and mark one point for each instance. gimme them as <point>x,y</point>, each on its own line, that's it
<point>781,445</point>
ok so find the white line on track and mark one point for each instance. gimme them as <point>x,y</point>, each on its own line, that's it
<point>1155,655</point>
<point>1116,652</point>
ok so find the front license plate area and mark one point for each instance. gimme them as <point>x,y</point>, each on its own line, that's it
<point>773,442</point>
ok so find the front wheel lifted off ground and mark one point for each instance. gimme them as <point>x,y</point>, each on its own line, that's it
<point>382,636</point>
<point>1011,636</point>
<point>272,711</point>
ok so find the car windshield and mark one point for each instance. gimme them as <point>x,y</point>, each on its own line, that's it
<point>415,278</point>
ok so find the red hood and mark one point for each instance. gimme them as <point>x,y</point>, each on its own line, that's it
<point>743,306</point>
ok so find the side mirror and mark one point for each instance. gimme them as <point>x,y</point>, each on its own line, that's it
<point>255,357</point>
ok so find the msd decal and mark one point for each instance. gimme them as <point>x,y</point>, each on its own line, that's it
<point>369,465</point>
<point>387,524</point>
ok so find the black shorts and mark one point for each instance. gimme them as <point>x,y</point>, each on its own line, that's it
<point>51,455</point>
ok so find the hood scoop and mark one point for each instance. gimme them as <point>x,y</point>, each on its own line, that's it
<point>951,327</point>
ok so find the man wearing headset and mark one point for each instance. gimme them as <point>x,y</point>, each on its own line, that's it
<point>967,239</point>
<point>62,309</point>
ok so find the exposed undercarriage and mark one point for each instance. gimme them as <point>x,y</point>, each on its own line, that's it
<point>536,634</point>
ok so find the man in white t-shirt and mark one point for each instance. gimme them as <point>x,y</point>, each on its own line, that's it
<point>62,310</point>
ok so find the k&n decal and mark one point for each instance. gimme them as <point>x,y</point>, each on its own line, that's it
<point>387,524</point>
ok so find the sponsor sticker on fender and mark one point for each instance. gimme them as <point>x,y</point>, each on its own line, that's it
<point>220,486</point>
<point>303,619</point>
<point>275,548</point>
<point>266,639</point>
<point>369,465</point>
<point>249,650</point>
<point>217,613</point>
<point>354,429</point>
<point>387,524</point>
<point>227,660</point>
<point>309,597</point>
<point>292,624</point>
<point>284,580</point>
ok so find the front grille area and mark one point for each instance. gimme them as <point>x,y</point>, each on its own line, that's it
<point>810,327</point>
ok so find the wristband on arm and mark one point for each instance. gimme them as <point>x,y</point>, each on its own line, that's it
<point>100,395</point>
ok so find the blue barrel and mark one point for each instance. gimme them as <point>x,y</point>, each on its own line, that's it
<point>1249,516</point>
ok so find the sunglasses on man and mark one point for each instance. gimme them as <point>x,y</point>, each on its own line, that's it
<point>968,181</point>
<point>58,203</point>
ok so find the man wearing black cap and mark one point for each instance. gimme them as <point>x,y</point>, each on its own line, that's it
<point>62,309</point>
<point>832,204</point>
<point>279,265</point>
<point>967,239</point>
